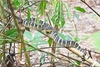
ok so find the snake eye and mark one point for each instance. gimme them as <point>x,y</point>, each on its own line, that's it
<point>48,31</point>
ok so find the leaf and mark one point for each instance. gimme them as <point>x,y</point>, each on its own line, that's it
<point>76,15</point>
<point>36,40</point>
<point>22,2</point>
<point>42,59</point>
<point>68,11</point>
<point>80,9</point>
<point>58,15</point>
<point>96,40</point>
<point>16,3</point>
<point>27,35</point>
<point>78,62</point>
<point>11,33</point>
<point>42,7</point>
<point>53,2</point>
<point>76,39</point>
<point>1,39</point>
<point>28,15</point>
<point>1,56</point>
<point>50,41</point>
<point>67,37</point>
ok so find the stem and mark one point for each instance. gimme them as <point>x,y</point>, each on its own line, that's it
<point>20,34</point>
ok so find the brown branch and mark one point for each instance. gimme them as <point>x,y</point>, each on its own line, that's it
<point>20,33</point>
<point>80,54</point>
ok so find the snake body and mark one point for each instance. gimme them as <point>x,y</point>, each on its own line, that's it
<point>51,32</point>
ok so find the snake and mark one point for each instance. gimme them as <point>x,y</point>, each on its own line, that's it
<point>50,32</point>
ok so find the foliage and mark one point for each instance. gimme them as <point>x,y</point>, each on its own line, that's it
<point>34,41</point>
<point>42,7</point>
<point>42,59</point>
<point>16,3</point>
<point>96,40</point>
<point>58,13</point>
<point>76,15</point>
<point>28,15</point>
<point>80,9</point>
<point>68,11</point>
<point>49,41</point>
<point>65,37</point>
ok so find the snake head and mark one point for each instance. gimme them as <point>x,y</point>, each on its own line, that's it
<point>48,31</point>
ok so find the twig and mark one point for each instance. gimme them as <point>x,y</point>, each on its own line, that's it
<point>74,59</point>
<point>48,53</point>
<point>90,8</point>
<point>31,4</point>
<point>4,28</point>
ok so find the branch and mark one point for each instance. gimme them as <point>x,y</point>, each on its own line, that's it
<point>80,54</point>
<point>20,33</point>
<point>90,8</point>
<point>74,59</point>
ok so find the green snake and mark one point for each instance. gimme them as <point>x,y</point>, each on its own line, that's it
<point>51,32</point>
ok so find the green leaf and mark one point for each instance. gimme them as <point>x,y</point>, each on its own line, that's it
<point>1,56</point>
<point>68,11</point>
<point>42,7</point>
<point>96,40</point>
<point>42,59</point>
<point>38,39</point>
<point>53,2</point>
<point>78,62</point>
<point>28,15</point>
<point>50,41</point>
<point>67,37</point>
<point>22,2</point>
<point>34,41</point>
<point>58,15</point>
<point>1,39</point>
<point>76,15</point>
<point>16,3</point>
<point>27,35</point>
<point>76,39</point>
<point>80,9</point>
<point>11,33</point>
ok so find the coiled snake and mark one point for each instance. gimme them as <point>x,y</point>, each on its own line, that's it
<point>49,31</point>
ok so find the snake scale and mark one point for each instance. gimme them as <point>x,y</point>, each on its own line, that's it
<point>51,32</point>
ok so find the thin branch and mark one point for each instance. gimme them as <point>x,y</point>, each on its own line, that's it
<point>32,4</point>
<point>90,8</point>
<point>74,59</point>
